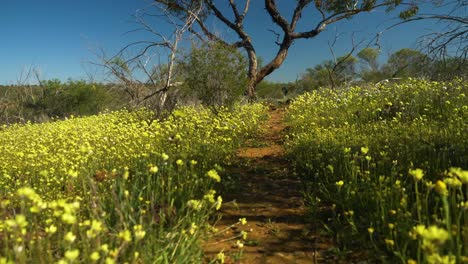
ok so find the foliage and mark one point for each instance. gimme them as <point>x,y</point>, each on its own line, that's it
<point>54,98</point>
<point>72,98</point>
<point>402,64</point>
<point>267,89</point>
<point>369,56</point>
<point>216,74</point>
<point>344,70</point>
<point>406,63</point>
<point>330,73</point>
<point>391,163</point>
<point>117,187</point>
<point>449,68</point>
<point>316,77</point>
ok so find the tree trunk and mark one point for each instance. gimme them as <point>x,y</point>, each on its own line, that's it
<point>273,65</point>
<point>252,74</point>
<point>256,76</point>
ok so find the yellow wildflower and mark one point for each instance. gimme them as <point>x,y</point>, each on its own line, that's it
<point>125,235</point>
<point>214,175</point>
<point>105,248</point>
<point>194,204</point>
<point>417,174</point>
<point>94,256</point>
<point>461,174</point>
<point>219,203</point>
<point>139,232</point>
<point>239,244</point>
<point>193,228</point>
<point>72,254</point>
<point>153,169</point>
<point>244,235</point>
<point>389,242</point>
<point>243,221</point>
<point>70,237</point>
<point>441,188</point>
<point>364,150</point>
<point>51,229</point>
<point>220,257</point>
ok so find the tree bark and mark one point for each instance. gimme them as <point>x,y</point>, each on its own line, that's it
<point>273,65</point>
<point>253,72</point>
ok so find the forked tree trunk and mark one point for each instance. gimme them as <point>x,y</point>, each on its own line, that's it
<point>255,75</point>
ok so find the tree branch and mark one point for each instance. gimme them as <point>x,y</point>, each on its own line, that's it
<point>272,9</point>
<point>277,36</point>
<point>226,21</point>
<point>298,12</point>
<point>239,17</point>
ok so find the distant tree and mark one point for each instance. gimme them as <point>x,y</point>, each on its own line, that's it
<point>406,63</point>
<point>321,14</point>
<point>370,69</point>
<point>316,77</point>
<point>447,46</point>
<point>368,56</point>
<point>330,73</point>
<point>344,70</point>
<point>449,68</point>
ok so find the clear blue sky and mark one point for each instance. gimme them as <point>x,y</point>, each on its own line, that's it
<point>58,36</point>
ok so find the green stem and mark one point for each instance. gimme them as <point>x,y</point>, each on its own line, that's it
<point>447,219</point>
<point>418,202</point>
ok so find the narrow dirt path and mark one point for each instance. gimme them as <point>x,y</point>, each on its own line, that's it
<point>269,197</point>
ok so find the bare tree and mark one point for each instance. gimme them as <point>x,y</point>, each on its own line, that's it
<point>342,67</point>
<point>146,68</point>
<point>321,14</point>
<point>15,98</point>
<point>453,38</point>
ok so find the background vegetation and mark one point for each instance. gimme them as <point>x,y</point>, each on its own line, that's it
<point>365,68</point>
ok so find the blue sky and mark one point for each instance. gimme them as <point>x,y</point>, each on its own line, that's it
<point>59,36</point>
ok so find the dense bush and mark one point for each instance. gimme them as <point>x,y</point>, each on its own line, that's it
<point>216,74</point>
<point>70,98</point>
<point>391,163</point>
<point>54,98</point>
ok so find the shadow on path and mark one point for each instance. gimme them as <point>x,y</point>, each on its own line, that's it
<point>269,197</point>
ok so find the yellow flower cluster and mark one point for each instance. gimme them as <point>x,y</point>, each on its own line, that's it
<point>96,189</point>
<point>394,154</point>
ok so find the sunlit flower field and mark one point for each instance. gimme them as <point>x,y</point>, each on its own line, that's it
<point>390,162</point>
<point>119,187</point>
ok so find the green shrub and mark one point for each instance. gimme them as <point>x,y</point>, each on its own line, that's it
<point>216,74</point>
<point>71,98</point>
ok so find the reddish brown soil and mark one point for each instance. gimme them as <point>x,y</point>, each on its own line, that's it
<point>269,197</point>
